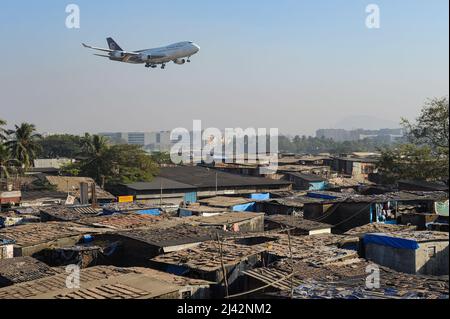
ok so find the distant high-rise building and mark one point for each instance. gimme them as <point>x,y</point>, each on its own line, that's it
<point>341,135</point>
<point>150,141</point>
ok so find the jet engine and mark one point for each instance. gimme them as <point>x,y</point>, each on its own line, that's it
<point>117,54</point>
<point>179,61</point>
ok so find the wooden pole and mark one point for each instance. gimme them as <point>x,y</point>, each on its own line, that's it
<point>291,262</point>
<point>224,271</point>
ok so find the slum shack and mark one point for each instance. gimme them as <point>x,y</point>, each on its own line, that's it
<point>23,269</point>
<point>67,213</point>
<point>108,282</point>
<point>304,181</point>
<point>297,225</point>
<point>361,231</point>
<point>232,221</point>
<point>200,210</point>
<point>12,218</point>
<point>140,245</point>
<point>205,261</point>
<point>32,238</point>
<point>292,205</point>
<point>348,211</point>
<point>6,248</point>
<point>141,208</point>
<point>235,204</point>
<point>341,281</point>
<point>316,250</point>
<point>121,221</point>
<point>414,252</point>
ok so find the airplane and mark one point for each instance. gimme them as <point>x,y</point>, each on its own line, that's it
<point>179,53</point>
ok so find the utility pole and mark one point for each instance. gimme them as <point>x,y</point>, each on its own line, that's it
<point>216,184</point>
<point>161,194</point>
<point>224,271</point>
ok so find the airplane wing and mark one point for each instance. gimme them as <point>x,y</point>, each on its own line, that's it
<point>95,48</point>
<point>124,53</point>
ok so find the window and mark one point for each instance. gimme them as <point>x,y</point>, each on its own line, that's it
<point>431,251</point>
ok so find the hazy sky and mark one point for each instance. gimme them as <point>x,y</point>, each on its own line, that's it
<point>295,65</point>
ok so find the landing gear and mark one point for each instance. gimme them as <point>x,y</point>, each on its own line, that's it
<point>163,66</point>
<point>188,60</point>
<point>153,66</point>
<point>147,65</point>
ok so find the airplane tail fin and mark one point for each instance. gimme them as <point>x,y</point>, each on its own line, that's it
<point>113,45</point>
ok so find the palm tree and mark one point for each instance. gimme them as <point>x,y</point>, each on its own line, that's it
<point>2,130</point>
<point>94,147</point>
<point>23,145</point>
<point>6,162</point>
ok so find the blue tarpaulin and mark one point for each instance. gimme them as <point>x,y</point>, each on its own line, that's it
<point>177,270</point>
<point>317,186</point>
<point>249,207</point>
<point>154,212</point>
<point>320,195</point>
<point>261,196</point>
<point>185,213</point>
<point>381,239</point>
<point>88,238</point>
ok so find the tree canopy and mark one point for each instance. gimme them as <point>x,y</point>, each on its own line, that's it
<point>426,156</point>
<point>109,165</point>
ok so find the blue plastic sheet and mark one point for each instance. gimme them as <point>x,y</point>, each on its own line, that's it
<point>261,196</point>
<point>249,207</point>
<point>154,212</point>
<point>319,195</point>
<point>185,213</point>
<point>381,239</point>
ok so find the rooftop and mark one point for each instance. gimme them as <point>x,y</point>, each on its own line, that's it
<point>379,228</point>
<point>225,202</point>
<point>347,280</point>
<point>202,177</point>
<point>121,221</point>
<point>67,213</point>
<point>206,256</point>
<point>173,236</point>
<point>39,233</point>
<point>104,282</point>
<point>297,222</point>
<point>23,269</point>
<point>159,183</point>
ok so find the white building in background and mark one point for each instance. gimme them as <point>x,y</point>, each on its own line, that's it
<point>150,141</point>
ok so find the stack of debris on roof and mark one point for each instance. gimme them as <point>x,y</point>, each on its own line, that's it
<point>347,280</point>
<point>297,225</point>
<point>32,238</point>
<point>107,282</point>
<point>23,269</point>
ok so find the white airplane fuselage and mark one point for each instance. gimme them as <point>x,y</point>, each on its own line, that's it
<point>171,52</point>
<point>179,53</point>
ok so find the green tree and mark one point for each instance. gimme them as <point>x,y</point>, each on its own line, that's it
<point>128,164</point>
<point>426,156</point>
<point>161,158</point>
<point>24,144</point>
<point>432,126</point>
<point>57,146</point>
<point>93,149</point>
<point>2,130</point>
<point>414,162</point>
<point>7,163</point>
<point>109,165</point>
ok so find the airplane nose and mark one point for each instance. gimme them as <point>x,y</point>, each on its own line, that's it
<point>196,47</point>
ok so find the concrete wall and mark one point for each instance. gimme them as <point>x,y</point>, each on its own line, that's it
<point>431,258</point>
<point>403,260</point>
